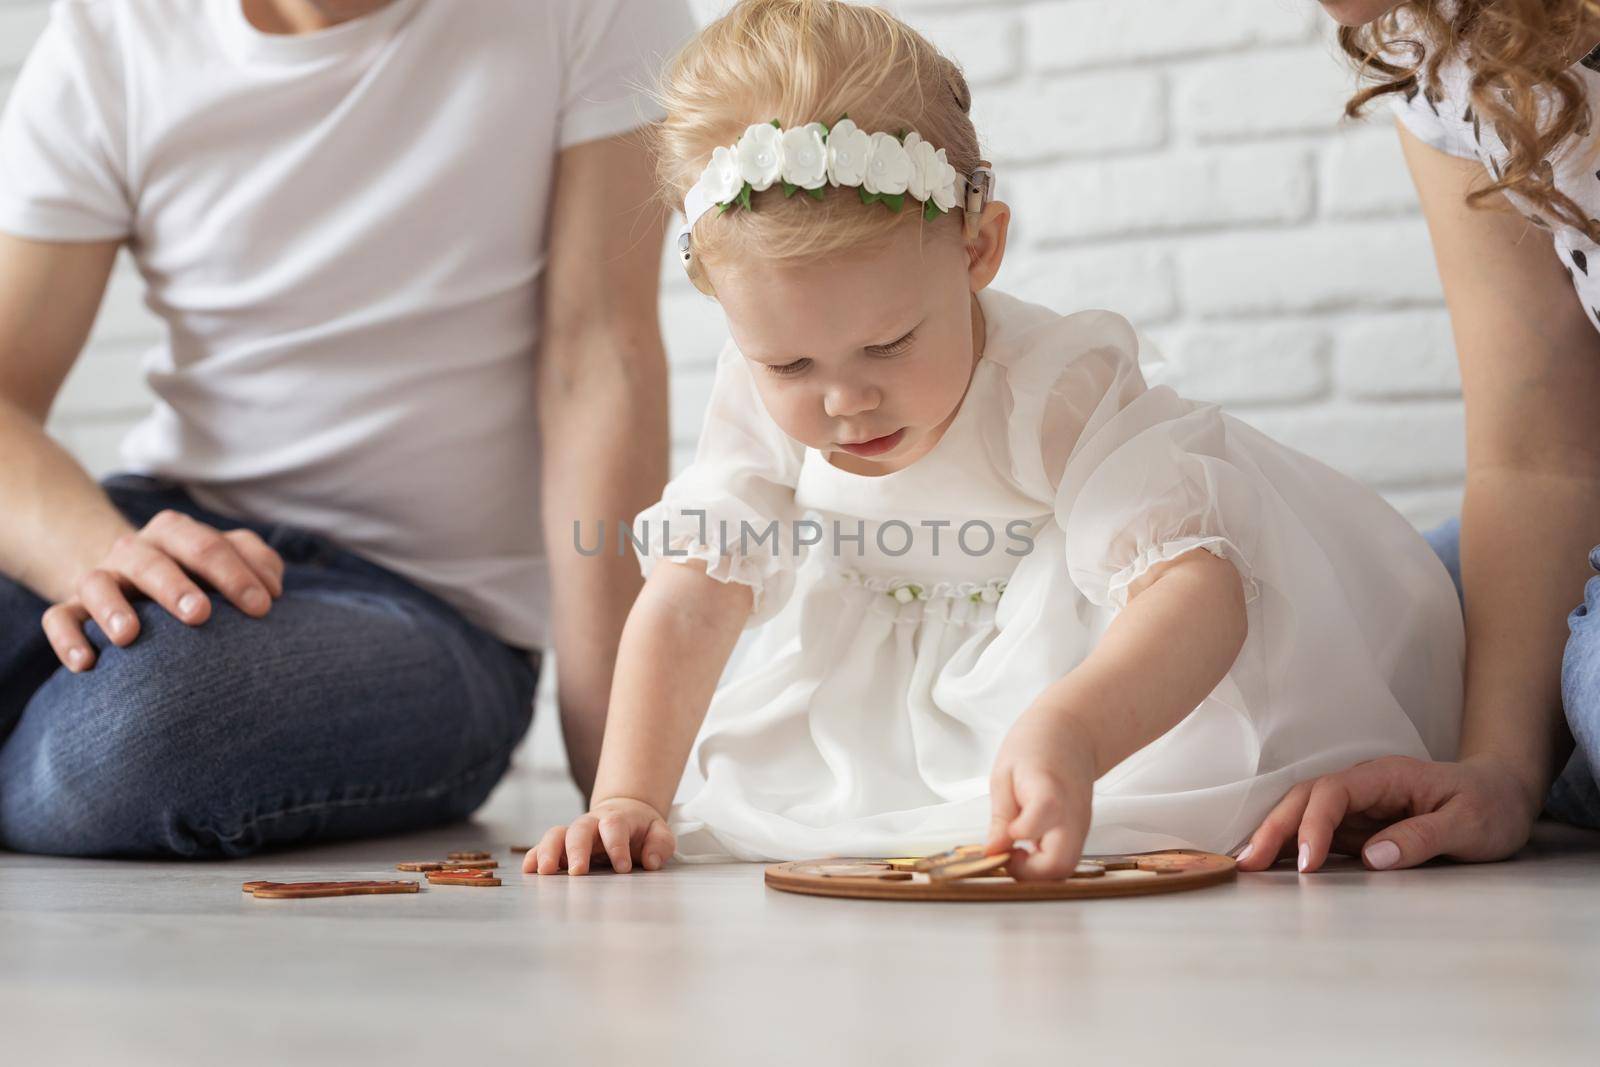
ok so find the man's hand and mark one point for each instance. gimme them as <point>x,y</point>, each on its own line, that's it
<point>158,562</point>
<point>1398,812</point>
<point>1041,790</point>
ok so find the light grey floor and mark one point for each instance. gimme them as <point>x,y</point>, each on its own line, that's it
<point>142,963</point>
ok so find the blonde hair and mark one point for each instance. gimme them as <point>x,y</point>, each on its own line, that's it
<point>801,61</point>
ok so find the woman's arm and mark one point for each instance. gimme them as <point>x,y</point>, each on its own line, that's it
<point>675,645</point>
<point>1530,373</point>
<point>1163,654</point>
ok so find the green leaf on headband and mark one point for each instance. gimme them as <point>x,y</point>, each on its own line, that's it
<point>744,196</point>
<point>777,125</point>
<point>866,197</point>
<point>723,209</point>
<point>930,210</point>
<point>819,194</point>
<point>901,136</point>
<point>789,189</point>
<point>825,130</point>
<point>897,201</point>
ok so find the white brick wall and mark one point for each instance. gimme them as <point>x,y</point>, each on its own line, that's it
<point>1177,160</point>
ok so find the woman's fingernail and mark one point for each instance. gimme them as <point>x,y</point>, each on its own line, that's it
<point>1382,856</point>
<point>257,600</point>
<point>190,603</point>
<point>77,658</point>
<point>1244,854</point>
<point>1304,858</point>
<point>121,623</point>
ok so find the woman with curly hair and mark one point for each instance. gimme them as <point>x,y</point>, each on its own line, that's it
<point>1496,103</point>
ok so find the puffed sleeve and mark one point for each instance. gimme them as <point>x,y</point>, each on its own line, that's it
<point>1137,476</point>
<point>733,507</point>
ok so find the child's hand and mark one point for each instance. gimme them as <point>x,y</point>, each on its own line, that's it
<point>1042,790</point>
<point>625,830</point>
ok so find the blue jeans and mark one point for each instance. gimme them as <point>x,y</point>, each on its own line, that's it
<point>1575,796</point>
<point>359,705</point>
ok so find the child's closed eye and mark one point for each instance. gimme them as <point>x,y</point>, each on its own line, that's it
<point>894,348</point>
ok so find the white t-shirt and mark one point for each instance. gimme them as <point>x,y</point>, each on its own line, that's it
<point>344,233</point>
<point>1446,120</point>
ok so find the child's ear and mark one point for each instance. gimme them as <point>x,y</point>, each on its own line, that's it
<point>987,248</point>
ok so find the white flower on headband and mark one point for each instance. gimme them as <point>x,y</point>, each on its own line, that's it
<point>805,156</point>
<point>760,153</point>
<point>945,197</point>
<point>923,166</point>
<point>888,166</point>
<point>722,180</point>
<point>848,150</point>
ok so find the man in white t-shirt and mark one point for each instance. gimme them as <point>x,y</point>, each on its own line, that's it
<point>406,254</point>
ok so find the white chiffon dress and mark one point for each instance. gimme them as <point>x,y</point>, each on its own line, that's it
<point>864,716</point>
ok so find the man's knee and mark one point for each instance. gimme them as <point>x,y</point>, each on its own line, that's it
<point>128,757</point>
<point>219,739</point>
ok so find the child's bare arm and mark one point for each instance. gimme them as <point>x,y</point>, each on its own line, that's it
<point>1164,653</point>
<point>676,642</point>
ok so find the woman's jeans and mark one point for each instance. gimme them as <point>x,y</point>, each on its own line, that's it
<point>1575,797</point>
<point>358,705</point>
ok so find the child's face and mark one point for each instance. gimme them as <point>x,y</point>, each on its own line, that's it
<point>873,347</point>
<point>1358,12</point>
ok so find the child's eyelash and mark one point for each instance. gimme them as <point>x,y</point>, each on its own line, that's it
<point>893,348</point>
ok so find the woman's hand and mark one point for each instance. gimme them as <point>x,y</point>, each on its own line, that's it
<point>1041,790</point>
<point>158,562</point>
<point>626,831</point>
<point>1398,812</point>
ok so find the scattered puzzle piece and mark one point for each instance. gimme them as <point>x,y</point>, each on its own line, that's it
<point>298,890</point>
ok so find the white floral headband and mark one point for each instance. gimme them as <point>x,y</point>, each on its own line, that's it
<point>885,167</point>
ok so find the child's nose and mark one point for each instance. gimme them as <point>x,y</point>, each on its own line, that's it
<point>843,401</point>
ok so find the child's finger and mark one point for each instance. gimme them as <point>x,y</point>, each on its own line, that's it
<point>659,845</point>
<point>580,844</point>
<point>1003,809</point>
<point>1279,827</point>
<point>546,855</point>
<point>1055,857</point>
<point>1039,814</point>
<point>614,838</point>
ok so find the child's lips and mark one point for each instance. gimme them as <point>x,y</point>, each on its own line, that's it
<point>877,446</point>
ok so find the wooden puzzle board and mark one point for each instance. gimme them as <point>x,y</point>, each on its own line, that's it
<point>1171,871</point>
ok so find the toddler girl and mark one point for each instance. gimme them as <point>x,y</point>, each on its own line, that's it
<point>1006,592</point>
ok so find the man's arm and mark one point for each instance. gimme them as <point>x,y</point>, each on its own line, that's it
<point>602,414</point>
<point>57,522</point>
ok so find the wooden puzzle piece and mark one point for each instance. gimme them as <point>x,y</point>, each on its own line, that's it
<point>299,890</point>
<point>465,857</point>
<point>471,876</point>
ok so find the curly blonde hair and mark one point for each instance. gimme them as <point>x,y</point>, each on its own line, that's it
<point>801,61</point>
<point>1518,56</point>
